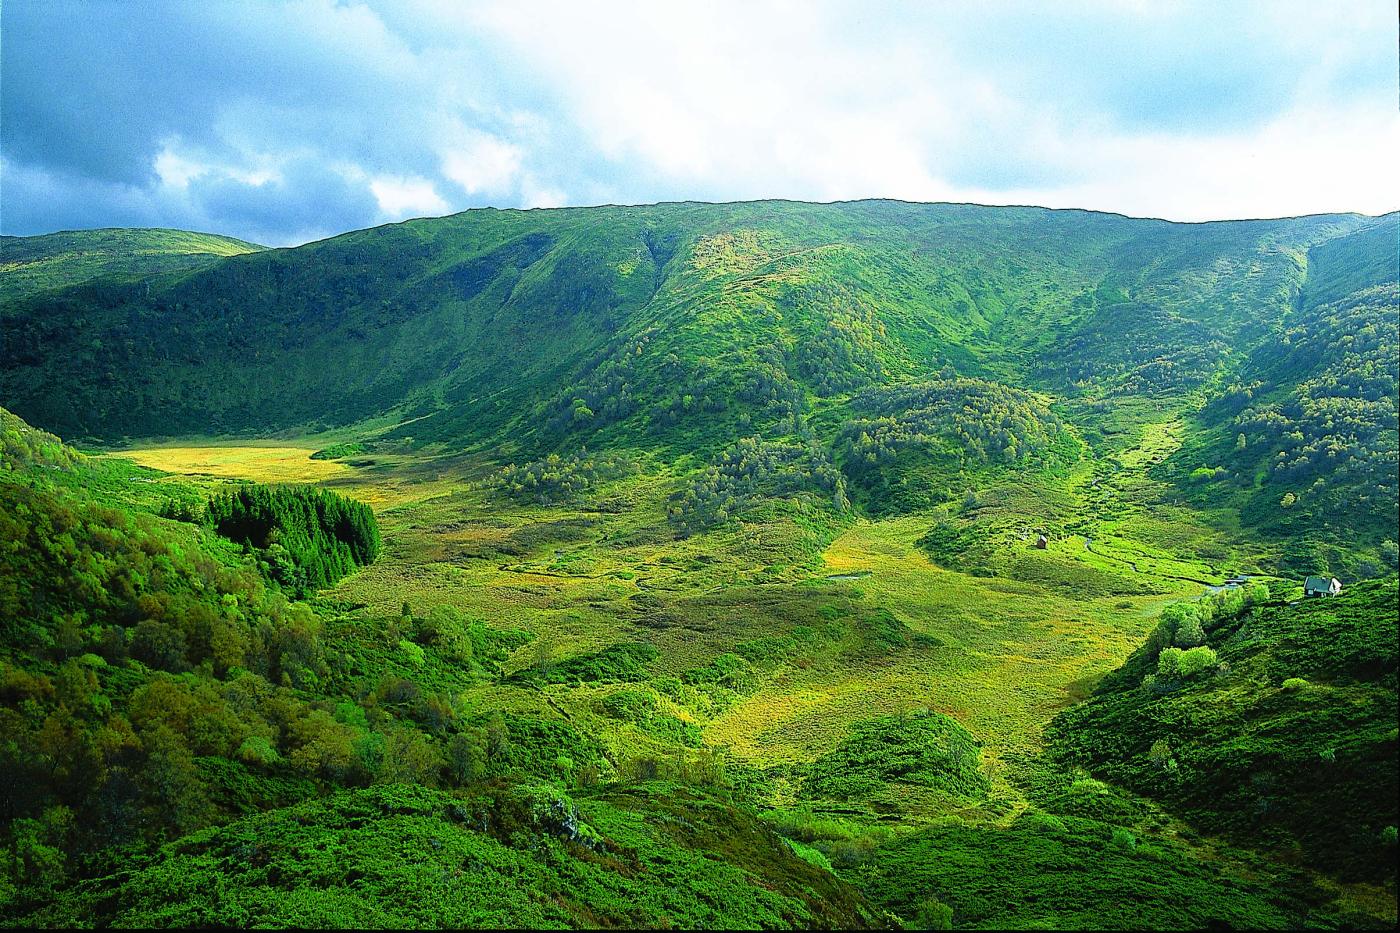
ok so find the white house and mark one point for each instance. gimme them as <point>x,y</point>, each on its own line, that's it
<point>1322,586</point>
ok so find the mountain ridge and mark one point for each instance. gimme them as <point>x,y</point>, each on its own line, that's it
<point>684,328</point>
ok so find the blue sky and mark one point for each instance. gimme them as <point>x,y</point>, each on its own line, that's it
<point>283,122</point>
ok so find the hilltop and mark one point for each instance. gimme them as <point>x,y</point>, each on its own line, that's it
<point>54,261</point>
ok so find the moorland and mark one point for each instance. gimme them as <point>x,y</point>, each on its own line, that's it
<point>748,565</point>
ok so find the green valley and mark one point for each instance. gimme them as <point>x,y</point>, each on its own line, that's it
<point>768,564</point>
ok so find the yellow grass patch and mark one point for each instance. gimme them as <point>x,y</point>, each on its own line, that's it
<point>257,462</point>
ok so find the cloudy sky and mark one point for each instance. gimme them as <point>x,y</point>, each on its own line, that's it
<point>282,122</point>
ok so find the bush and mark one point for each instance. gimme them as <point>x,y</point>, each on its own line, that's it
<point>933,914</point>
<point>925,749</point>
<point>1185,664</point>
<point>624,663</point>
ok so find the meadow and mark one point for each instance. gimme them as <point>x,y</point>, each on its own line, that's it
<point>1001,653</point>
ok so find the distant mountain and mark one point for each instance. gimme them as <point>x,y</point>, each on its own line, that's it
<point>685,327</point>
<point>37,264</point>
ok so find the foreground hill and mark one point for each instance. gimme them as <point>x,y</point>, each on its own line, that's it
<point>157,684</point>
<point>653,857</point>
<point>1276,724</point>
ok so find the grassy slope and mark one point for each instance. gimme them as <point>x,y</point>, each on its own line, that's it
<point>1306,764</point>
<point>1311,415</point>
<point>653,857</point>
<point>488,312</point>
<point>55,261</point>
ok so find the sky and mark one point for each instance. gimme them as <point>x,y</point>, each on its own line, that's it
<point>284,121</point>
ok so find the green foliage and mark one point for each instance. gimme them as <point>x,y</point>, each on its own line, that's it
<point>749,471</point>
<point>558,479</point>
<point>400,856</point>
<point>1185,664</point>
<point>1311,434</point>
<point>23,447</point>
<point>924,749</point>
<point>614,664</point>
<point>310,537</point>
<point>640,708</point>
<point>938,430</point>
<point>340,451</point>
<point>1184,626</point>
<point>1312,763</point>
<point>1019,878</point>
<point>964,548</point>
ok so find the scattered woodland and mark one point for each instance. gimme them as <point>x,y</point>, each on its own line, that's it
<point>771,565</point>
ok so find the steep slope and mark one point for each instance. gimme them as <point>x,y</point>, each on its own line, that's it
<point>24,447</point>
<point>1274,723</point>
<point>640,324</point>
<point>55,261</point>
<point>1304,439</point>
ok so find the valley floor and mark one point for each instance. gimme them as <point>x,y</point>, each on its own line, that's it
<point>1000,652</point>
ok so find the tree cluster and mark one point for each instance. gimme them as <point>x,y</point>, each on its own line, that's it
<point>311,537</point>
<point>752,469</point>
<point>555,479</point>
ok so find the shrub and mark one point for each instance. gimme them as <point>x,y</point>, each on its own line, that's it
<point>1295,683</point>
<point>1187,663</point>
<point>412,653</point>
<point>933,914</point>
<point>926,749</point>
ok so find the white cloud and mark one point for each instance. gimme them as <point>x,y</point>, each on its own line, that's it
<point>401,108</point>
<point>1305,161</point>
<point>534,194</point>
<point>480,163</point>
<point>401,197</point>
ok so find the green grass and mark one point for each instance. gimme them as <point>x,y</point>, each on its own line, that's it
<point>751,513</point>
<point>400,857</point>
<point>1290,744</point>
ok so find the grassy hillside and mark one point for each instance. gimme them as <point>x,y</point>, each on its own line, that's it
<point>1281,732</point>
<point>55,261</point>
<point>652,857</point>
<point>685,328</point>
<point>653,322</point>
<point>738,564</point>
<point>1305,441</point>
